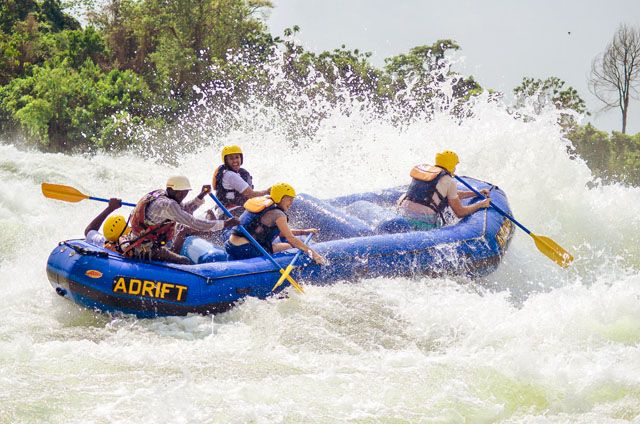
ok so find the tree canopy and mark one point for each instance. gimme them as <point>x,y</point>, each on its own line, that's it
<point>129,76</point>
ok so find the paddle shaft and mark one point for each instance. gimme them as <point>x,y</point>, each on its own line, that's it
<point>246,234</point>
<point>500,211</point>
<point>100,199</point>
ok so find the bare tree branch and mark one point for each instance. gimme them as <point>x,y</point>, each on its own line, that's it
<point>615,74</point>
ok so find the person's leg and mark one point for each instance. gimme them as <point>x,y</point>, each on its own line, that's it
<point>244,251</point>
<point>165,255</point>
<point>178,240</point>
<point>279,247</point>
<point>421,225</point>
<point>420,222</point>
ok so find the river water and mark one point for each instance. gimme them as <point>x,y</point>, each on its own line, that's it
<point>529,343</point>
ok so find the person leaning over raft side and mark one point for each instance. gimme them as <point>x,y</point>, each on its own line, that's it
<point>432,189</point>
<point>114,227</point>
<point>233,184</point>
<point>265,218</point>
<point>154,219</point>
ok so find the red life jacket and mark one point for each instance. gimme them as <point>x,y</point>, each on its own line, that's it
<point>145,234</point>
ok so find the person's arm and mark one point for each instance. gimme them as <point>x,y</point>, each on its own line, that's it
<point>461,210</point>
<point>304,232</point>
<point>286,232</point>
<point>249,192</point>
<point>233,180</point>
<point>468,194</point>
<point>94,225</point>
<point>175,212</point>
<point>196,202</point>
<point>454,196</point>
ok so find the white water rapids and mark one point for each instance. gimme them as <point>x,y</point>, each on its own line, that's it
<point>530,343</point>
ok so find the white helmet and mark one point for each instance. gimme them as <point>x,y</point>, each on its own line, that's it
<point>178,182</point>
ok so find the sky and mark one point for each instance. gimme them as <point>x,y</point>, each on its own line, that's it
<point>501,41</point>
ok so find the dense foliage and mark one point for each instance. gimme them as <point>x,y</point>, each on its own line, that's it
<point>146,64</point>
<point>612,158</point>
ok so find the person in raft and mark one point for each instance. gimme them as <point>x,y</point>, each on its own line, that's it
<point>154,219</point>
<point>233,185</point>
<point>114,227</point>
<point>265,218</point>
<point>432,189</point>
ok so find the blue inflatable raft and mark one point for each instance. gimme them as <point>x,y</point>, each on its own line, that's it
<point>360,235</point>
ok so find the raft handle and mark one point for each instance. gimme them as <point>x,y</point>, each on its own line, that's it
<point>86,252</point>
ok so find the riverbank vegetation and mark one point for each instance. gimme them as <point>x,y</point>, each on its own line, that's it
<point>128,77</point>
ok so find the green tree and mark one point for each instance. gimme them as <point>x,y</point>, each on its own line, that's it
<point>550,92</point>
<point>47,12</point>
<point>13,11</point>
<point>415,78</point>
<point>175,44</point>
<point>66,109</point>
<point>28,31</point>
<point>76,46</point>
<point>613,158</point>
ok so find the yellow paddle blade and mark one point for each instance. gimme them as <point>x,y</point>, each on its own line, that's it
<point>552,250</point>
<point>285,275</point>
<point>62,192</point>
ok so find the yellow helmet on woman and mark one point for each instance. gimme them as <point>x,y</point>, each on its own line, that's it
<point>278,191</point>
<point>114,227</point>
<point>447,160</point>
<point>232,150</point>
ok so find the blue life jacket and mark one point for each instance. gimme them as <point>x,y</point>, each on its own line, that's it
<point>263,234</point>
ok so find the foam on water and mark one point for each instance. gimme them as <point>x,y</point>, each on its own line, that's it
<point>529,343</point>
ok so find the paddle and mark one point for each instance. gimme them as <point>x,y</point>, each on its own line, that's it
<point>548,247</point>
<point>253,241</point>
<point>70,194</point>
<point>289,267</point>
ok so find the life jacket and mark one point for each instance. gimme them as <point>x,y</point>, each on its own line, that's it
<point>146,235</point>
<point>113,246</point>
<point>423,186</point>
<point>250,219</point>
<point>230,198</point>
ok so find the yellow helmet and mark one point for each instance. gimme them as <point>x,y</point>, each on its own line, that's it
<point>232,150</point>
<point>447,160</point>
<point>178,183</point>
<point>278,191</point>
<point>114,227</point>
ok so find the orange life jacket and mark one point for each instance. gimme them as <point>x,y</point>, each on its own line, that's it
<point>113,246</point>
